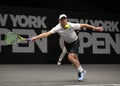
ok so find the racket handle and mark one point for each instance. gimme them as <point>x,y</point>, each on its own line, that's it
<point>28,39</point>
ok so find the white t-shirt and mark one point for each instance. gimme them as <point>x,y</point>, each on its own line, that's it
<point>69,34</point>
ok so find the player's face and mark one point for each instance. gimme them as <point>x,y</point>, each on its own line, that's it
<point>63,21</point>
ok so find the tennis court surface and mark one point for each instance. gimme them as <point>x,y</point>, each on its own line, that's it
<point>54,75</point>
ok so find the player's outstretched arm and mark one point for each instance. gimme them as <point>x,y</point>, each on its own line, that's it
<point>42,35</point>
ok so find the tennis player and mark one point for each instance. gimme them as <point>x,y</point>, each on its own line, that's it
<point>70,38</point>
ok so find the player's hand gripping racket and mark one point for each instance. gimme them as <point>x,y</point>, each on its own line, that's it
<point>13,38</point>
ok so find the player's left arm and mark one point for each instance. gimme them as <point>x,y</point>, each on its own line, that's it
<point>91,27</point>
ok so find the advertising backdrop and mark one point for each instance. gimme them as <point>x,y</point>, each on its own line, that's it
<point>95,47</point>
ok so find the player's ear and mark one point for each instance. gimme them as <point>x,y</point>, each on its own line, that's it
<point>59,20</point>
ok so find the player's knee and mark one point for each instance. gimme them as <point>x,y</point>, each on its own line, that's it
<point>71,56</point>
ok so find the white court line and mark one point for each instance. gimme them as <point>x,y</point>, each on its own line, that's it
<point>95,85</point>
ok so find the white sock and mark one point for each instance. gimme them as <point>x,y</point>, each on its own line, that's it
<point>80,69</point>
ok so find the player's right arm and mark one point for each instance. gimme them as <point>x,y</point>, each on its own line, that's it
<point>46,34</point>
<point>42,35</point>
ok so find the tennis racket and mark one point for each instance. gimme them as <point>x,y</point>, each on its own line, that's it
<point>13,38</point>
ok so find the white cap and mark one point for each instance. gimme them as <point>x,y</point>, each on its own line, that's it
<point>62,15</point>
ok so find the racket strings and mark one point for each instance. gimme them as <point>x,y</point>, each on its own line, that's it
<point>10,38</point>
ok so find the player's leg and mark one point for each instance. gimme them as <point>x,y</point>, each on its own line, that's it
<point>64,52</point>
<point>75,61</point>
<point>73,58</point>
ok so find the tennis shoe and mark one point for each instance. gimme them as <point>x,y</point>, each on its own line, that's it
<point>81,75</point>
<point>58,63</point>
